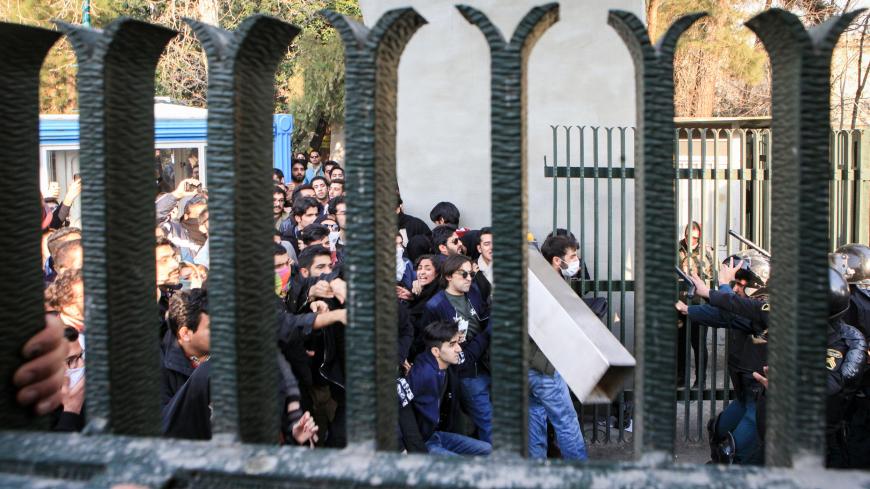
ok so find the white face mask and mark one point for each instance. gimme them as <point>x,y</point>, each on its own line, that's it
<point>75,375</point>
<point>334,236</point>
<point>400,264</point>
<point>571,269</point>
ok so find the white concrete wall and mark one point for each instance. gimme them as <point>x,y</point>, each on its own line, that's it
<point>580,72</point>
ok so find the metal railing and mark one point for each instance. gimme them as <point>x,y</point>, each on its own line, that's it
<point>120,442</point>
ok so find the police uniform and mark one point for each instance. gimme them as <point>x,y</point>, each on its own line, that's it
<point>845,361</point>
<point>734,435</point>
<point>853,262</point>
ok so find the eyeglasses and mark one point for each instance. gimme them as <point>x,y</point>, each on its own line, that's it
<point>72,361</point>
<point>464,273</point>
<point>315,156</point>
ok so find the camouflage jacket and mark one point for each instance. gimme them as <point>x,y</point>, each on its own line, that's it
<point>695,262</point>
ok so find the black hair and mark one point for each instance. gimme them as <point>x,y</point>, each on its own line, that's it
<point>556,246</point>
<point>334,202</point>
<point>301,205</point>
<point>339,181</point>
<point>278,190</point>
<point>298,190</point>
<point>438,333</point>
<point>279,250</point>
<point>306,257</point>
<point>319,177</point>
<point>299,161</point>
<point>326,217</point>
<point>451,265</point>
<point>446,211</point>
<point>486,230</point>
<point>427,257</point>
<point>567,234</point>
<point>165,242</point>
<point>334,168</point>
<point>186,308</point>
<point>278,173</point>
<point>70,333</point>
<point>313,232</point>
<point>441,234</point>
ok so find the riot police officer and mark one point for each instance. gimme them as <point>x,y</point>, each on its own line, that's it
<point>853,261</point>
<point>846,359</point>
<point>740,304</point>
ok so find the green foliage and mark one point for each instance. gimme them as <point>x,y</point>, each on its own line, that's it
<point>309,81</point>
<point>322,67</point>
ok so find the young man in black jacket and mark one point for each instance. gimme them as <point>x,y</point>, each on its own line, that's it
<point>186,343</point>
<point>432,391</point>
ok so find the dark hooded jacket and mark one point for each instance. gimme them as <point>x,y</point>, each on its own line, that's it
<point>435,392</point>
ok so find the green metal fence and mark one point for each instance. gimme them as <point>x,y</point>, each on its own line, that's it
<point>722,182</point>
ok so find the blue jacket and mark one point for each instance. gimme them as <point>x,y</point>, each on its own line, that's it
<point>439,308</point>
<point>427,383</point>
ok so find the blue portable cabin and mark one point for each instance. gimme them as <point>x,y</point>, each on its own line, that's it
<point>179,132</point>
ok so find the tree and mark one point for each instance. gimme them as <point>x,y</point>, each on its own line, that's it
<point>721,68</point>
<point>309,80</point>
<point>718,70</point>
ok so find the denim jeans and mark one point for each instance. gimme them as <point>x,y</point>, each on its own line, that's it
<point>477,404</point>
<point>549,399</point>
<point>445,443</point>
<point>739,419</point>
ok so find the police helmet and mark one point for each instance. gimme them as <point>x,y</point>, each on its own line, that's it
<point>853,262</point>
<point>838,294</point>
<point>755,270</point>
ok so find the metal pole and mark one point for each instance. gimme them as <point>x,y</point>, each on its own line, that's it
<point>86,13</point>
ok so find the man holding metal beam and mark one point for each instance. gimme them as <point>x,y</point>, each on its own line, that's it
<point>549,398</point>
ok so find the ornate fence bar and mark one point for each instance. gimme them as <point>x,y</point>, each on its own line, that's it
<point>120,442</point>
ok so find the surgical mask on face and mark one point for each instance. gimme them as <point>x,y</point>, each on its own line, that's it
<point>75,375</point>
<point>571,269</point>
<point>333,237</point>
<point>186,283</point>
<point>400,264</point>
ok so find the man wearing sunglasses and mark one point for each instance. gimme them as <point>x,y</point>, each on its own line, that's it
<point>446,242</point>
<point>460,302</point>
<point>315,168</point>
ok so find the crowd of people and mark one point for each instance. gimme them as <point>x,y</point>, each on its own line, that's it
<point>444,290</point>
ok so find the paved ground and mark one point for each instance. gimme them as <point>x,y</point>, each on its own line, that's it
<point>692,450</point>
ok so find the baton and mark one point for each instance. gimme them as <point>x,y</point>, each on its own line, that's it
<point>750,244</point>
<point>690,285</point>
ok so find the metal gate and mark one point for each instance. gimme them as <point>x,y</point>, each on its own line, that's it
<point>121,443</point>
